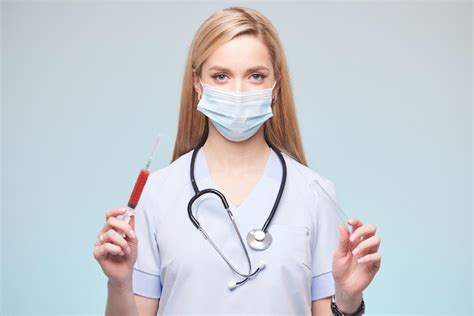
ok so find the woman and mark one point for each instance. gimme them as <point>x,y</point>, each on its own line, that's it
<point>237,114</point>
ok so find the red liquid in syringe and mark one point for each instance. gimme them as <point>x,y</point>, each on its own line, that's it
<point>138,188</point>
<point>135,196</point>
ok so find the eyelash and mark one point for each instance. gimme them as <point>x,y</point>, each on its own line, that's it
<point>221,74</point>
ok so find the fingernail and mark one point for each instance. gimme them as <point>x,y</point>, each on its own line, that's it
<point>353,237</point>
<point>132,234</point>
<point>121,253</point>
<point>127,250</point>
<point>355,251</point>
<point>360,260</point>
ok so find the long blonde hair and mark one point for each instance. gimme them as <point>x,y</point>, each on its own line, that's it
<point>282,129</point>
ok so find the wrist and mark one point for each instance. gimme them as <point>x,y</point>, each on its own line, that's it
<point>348,303</point>
<point>122,286</point>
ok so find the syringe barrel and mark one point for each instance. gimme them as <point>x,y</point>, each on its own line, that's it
<point>138,188</point>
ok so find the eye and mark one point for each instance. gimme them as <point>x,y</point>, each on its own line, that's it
<point>261,76</point>
<point>220,76</point>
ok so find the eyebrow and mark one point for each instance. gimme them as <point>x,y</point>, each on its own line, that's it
<point>255,68</point>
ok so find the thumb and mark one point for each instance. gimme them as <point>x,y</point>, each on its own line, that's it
<point>132,220</point>
<point>344,243</point>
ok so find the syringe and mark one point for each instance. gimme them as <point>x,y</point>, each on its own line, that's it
<point>316,185</point>
<point>138,187</point>
<point>343,218</point>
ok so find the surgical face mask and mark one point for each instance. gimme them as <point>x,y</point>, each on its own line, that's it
<point>236,115</point>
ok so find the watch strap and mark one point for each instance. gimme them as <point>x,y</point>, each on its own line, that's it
<point>337,312</point>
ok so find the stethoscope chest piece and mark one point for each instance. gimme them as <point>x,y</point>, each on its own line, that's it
<point>258,239</point>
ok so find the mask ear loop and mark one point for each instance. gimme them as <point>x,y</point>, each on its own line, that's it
<point>202,87</point>
<point>203,137</point>
<point>274,98</point>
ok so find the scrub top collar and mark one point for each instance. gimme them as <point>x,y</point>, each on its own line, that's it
<point>272,171</point>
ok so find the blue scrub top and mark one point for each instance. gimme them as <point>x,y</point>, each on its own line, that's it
<point>176,264</point>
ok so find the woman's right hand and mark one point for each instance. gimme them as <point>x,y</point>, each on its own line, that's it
<point>116,254</point>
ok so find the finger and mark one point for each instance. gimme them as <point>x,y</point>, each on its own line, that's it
<point>344,245</point>
<point>111,236</point>
<point>367,246</point>
<point>127,215</point>
<point>97,242</point>
<point>132,221</point>
<point>364,231</point>
<point>104,250</point>
<point>121,227</point>
<point>355,223</point>
<point>114,212</point>
<point>117,213</point>
<point>374,258</point>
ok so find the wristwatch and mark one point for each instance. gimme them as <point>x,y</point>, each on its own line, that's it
<point>337,312</point>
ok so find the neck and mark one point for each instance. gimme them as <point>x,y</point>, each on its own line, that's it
<point>223,154</point>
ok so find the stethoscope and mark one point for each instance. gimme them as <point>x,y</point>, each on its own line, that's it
<point>258,239</point>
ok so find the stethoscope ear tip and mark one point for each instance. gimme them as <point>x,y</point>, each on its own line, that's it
<point>262,265</point>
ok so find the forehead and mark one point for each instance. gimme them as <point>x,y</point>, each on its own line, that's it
<point>240,53</point>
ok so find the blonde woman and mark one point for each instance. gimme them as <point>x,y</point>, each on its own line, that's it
<point>279,248</point>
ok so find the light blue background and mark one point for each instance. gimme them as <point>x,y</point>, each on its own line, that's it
<point>383,94</point>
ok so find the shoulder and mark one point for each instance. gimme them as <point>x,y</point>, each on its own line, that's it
<point>316,192</point>
<point>162,188</point>
<point>306,177</point>
<point>171,176</point>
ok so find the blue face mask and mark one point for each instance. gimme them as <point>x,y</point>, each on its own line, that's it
<point>236,115</point>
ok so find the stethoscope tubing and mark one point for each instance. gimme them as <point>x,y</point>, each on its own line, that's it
<point>195,222</point>
<point>206,236</point>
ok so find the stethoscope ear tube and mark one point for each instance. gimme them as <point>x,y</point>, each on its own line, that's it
<point>196,196</point>
<point>257,239</point>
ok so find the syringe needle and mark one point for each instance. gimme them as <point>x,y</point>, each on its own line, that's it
<point>138,187</point>
<point>153,151</point>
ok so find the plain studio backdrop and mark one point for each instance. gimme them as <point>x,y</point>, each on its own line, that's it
<point>383,95</point>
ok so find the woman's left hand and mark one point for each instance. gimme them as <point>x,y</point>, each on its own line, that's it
<point>354,272</point>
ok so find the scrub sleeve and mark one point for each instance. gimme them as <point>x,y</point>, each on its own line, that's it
<point>324,241</point>
<point>146,271</point>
